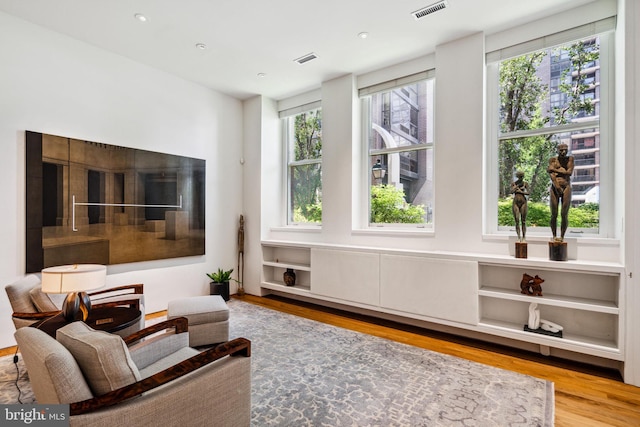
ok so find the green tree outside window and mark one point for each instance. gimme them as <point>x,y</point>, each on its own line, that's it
<point>527,104</point>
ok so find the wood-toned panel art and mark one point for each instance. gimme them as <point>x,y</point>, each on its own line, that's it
<point>91,202</point>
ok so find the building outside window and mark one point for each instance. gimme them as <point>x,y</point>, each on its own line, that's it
<point>303,133</point>
<point>546,98</point>
<point>399,138</point>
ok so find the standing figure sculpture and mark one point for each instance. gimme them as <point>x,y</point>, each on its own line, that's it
<point>241,256</point>
<point>520,190</point>
<point>560,170</point>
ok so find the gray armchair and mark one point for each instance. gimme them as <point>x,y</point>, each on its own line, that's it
<point>151,378</point>
<point>30,304</point>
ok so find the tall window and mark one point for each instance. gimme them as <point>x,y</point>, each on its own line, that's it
<point>545,98</point>
<point>304,166</point>
<point>399,135</point>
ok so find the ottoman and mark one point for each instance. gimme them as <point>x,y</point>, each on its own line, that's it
<point>208,317</point>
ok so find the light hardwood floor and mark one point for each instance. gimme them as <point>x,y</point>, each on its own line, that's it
<point>584,396</point>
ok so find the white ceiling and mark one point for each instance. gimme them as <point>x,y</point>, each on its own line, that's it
<point>248,37</point>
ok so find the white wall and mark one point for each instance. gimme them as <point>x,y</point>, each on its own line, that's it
<point>628,127</point>
<point>459,149</point>
<point>459,144</point>
<point>338,130</point>
<point>53,84</point>
<point>262,198</point>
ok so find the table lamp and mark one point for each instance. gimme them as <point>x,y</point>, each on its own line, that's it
<point>75,280</point>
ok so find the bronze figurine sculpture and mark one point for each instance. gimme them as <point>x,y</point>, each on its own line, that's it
<point>520,190</point>
<point>560,170</point>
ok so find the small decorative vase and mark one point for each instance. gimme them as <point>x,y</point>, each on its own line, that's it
<point>289,277</point>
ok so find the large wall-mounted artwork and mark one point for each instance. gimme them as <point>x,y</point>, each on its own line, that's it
<point>91,202</point>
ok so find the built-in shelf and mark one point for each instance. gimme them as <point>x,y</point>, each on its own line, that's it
<point>276,259</point>
<point>299,267</point>
<point>572,342</point>
<point>551,299</point>
<point>586,302</point>
<point>280,286</point>
<point>585,298</point>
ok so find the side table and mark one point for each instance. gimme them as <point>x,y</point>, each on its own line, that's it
<point>108,319</point>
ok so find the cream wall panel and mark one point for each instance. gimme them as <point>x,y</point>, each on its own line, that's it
<point>351,276</point>
<point>439,288</point>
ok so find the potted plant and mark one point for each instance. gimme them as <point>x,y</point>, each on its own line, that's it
<point>220,283</point>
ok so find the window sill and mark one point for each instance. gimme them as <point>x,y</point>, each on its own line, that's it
<point>583,241</point>
<point>298,228</point>
<point>399,232</point>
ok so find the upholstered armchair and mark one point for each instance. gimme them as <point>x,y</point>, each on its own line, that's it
<point>30,304</point>
<point>152,378</point>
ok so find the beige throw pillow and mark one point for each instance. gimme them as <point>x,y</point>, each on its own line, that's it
<point>103,357</point>
<point>46,302</point>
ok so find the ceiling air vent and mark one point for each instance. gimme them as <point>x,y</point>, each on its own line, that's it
<point>304,59</point>
<point>421,13</point>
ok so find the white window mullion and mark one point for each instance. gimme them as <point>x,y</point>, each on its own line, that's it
<point>490,178</point>
<point>607,113</point>
<point>570,127</point>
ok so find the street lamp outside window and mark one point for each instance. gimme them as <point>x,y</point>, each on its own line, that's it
<point>378,172</point>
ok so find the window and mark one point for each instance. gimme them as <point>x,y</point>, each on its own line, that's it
<point>399,137</point>
<point>304,166</point>
<point>542,99</point>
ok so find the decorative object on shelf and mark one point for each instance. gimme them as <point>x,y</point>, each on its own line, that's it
<point>521,250</point>
<point>530,285</point>
<point>241,256</point>
<point>220,283</point>
<point>541,326</point>
<point>560,169</point>
<point>74,280</point>
<point>289,277</point>
<point>558,250</point>
<point>520,190</point>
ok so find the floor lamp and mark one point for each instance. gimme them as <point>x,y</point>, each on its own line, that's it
<point>74,280</point>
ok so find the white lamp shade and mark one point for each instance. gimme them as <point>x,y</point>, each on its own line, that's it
<point>64,279</point>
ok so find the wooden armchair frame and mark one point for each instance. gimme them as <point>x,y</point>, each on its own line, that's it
<point>137,288</point>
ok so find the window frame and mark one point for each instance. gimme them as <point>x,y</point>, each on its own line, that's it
<point>605,31</point>
<point>367,152</point>
<point>287,118</point>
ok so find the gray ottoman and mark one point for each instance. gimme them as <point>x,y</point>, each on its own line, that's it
<point>208,317</point>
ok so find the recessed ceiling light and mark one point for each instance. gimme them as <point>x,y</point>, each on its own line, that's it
<point>363,35</point>
<point>140,17</point>
<point>201,46</point>
<point>261,75</point>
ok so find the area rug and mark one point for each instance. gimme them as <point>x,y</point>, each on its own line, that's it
<point>14,382</point>
<point>307,373</point>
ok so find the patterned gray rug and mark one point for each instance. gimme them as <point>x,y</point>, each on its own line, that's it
<point>307,373</point>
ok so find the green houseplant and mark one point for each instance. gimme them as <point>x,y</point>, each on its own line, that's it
<point>220,276</point>
<point>220,283</point>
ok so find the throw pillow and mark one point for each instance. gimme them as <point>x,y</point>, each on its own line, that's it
<point>44,301</point>
<point>103,357</point>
